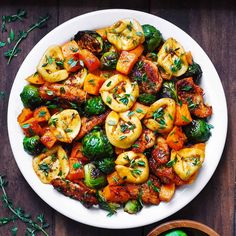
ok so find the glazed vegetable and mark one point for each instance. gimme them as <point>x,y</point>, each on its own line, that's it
<point>176,232</point>
<point>96,145</point>
<point>32,145</point>
<point>132,206</point>
<point>89,40</point>
<point>106,165</point>
<point>25,114</point>
<point>153,37</point>
<point>69,48</point>
<point>109,60</point>
<point>147,98</point>
<point>30,96</point>
<point>182,115</point>
<point>198,131</point>
<point>169,90</point>
<point>92,83</point>
<point>95,106</point>
<point>93,177</point>
<point>166,192</point>
<point>35,78</point>
<point>195,72</point>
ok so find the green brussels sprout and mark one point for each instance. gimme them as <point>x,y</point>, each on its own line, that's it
<point>30,96</point>
<point>169,90</point>
<point>194,71</point>
<point>95,106</point>
<point>106,165</point>
<point>153,38</point>
<point>106,46</point>
<point>96,145</point>
<point>198,131</point>
<point>176,232</point>
<point>132,206</point>
<point>147,98</point>
<point>32,145</point>
<point>90,40</point>
<point>93,177</point>
<point>109,60</point>
<point>111,207</point>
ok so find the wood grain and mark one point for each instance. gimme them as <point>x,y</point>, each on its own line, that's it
<point>212,25</point>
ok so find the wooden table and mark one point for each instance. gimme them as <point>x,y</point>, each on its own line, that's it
<point>212,25</point>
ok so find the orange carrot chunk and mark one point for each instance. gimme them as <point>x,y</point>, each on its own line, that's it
<point>25,114</point>
<point>48,139</point>
<point>93,83</point>
<point>69,48</point>
<point>176,138</point>
<point>41,114</point>
<point>182,115</point>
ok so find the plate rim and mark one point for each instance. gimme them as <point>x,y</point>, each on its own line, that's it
<point>98,223</point>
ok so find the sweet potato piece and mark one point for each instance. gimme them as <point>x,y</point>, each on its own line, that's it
<point>35,78</point>
<point>200,146</point>
<point>72,63</point>
<point>25,114</point>
<point>89,59</point>
<point>189,57</point>
<point>93,83</point>
<point>114,179</point>
<point>48,139</point>
<point>41,114</point>
<point>140,110</point>
<point>76,170</point>
<point>176,138</point>
<point>138,50</point>
<point>69,48</point>
<point>166,192</point>
<point>182,115</point>
<point>102,32</point>
<point>76,152</point>
<point>118,194</point>
<point>31,127</point>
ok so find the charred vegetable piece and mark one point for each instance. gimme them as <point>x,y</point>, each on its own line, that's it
<point>153,37</point>
<point>96,145</point>
<point>89,40</point>
<point>32,145</point>
<point>30,96</point>
<point>176,232</point>
<point>132,207</point>
<point>95,106</point>
<point>198,131</point>
<point>169,90</point>
<point>109,60</point>
<point>147,99</point>
<point>106,165</point>
<point>195,72</point>
<point>93,176</point>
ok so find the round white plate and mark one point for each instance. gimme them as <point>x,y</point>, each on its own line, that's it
<point>96,217</point>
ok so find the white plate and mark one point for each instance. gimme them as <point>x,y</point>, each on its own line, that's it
<point>96,217</point>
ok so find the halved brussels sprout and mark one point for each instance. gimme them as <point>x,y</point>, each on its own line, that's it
<point>132,206</point>
<point>109,60</point>
<point>106,165</point>
<point>90,40</point>
<point>95,106</point>
<point>32,145</point>
<point>93,176</point>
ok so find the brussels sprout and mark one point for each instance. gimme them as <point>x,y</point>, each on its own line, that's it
<point>147,98</point>
<point>132,206</point>
<point>194,71</point>
<point>109,60</point>
<point>30,96</point>
<point>107,206</point>
<point>198,131</point>
<point>169,90</point>
<point>96,145</point>
<point>153,37</point>
<point>90,40</point>
<point>106,165</point>
<point>95,106</point>
<point>93,177</point>
<point>106,46</point>
<point>176,232</point>
<point>32,145</point>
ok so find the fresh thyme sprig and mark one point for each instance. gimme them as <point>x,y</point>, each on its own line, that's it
<point>8,19</point>
<point>32,226</point>
<point>22,35</point>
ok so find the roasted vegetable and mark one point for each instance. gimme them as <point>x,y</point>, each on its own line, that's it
<point>109,60</point>
<point>176,232</point>
<point>169,90</point>
<point>93,176</point>
<point>198,131</point>
<point>132,206</point>
<point>93,83</point>
<point>96,145</point>
<point>95,106</point>
<point>147,98</point>
<point>32,145</point>
<point>30,96</point>
<point>106,165</point>
<point>89,40</point>
<point>194,71</point>
<point>153,37</point>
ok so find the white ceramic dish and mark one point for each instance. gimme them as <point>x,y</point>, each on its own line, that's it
<point>96,217</point>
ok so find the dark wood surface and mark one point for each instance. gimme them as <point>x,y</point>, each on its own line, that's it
<point>212,25</point>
